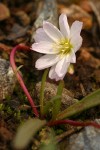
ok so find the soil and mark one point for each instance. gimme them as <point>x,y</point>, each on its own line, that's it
<point>15,28</point>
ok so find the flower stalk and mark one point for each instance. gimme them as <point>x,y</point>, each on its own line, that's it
<point>19,78</point>
<point>74,123</point>
<point>42,91</point>
<point>57,102</point>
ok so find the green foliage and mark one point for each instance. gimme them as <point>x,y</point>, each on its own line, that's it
<point>57,102</point>
<point>42,91</point>
<point>87,102</point>
<point>49,105</point>
<point>1,107</point>
<point>26,131</point>
<point>48,140</point>
<point>6,110</point>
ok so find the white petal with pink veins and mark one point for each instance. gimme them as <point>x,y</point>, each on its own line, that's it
<point>76,42</point>
<point>41,36</point>
<point>61,67</point>
<point>53,74</point>
<point>46,61</point>
<point>52,31</point>
<point>72,57</point>
<point>64,27</point>
<point>43,47</point>
<point>76,28</point>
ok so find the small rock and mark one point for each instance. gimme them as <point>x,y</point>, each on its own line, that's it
<point>7,79</point>
<point>86,139</point>
<point>51,90</point>
<point>48,13</point>
<point>4,12</point>
<point>17,32</point>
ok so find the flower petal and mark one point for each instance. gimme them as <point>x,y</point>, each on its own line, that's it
<point>52,31</point>
<point>71,57</point>
<point>46,61</point>
<point>39,30</point>
<point>53,74</point>
<point>43,47</point>
<point>41,36</point>
<point>63,24</point>
<point>61,67</point>
<point>76,28</point>
<point>76,41</point>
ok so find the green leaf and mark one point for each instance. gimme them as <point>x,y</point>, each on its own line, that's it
<point>57,102</point>
<point>26,132</point>
<point>87,102</point>
<point>49,142</point>
<point>42,91</point>
<point>60,87</point>
<point>50,104</point>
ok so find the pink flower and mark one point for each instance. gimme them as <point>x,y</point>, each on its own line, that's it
<point>59,46</point>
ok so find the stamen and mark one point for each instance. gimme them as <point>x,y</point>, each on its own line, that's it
<point>63,47</point>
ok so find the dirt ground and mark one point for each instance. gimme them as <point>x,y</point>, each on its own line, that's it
<point>17,26</point>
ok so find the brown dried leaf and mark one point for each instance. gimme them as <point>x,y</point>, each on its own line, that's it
<point>4,47</point>
<point>89,59</point>
<point>74,12</point>
<point>23,18</point>
<point>4,12</point>
<point>85,5</point>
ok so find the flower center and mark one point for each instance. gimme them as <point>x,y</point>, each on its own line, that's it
<point>63,47</point>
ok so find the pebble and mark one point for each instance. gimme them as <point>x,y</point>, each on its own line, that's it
<point>47,13</point>
<point>51,90</point>
<point>17,31</point>
<point>86,139</point>
<point>7,79</point>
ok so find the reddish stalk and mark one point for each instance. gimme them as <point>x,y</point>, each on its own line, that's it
<point>17,73</point>
<point>73,123</point>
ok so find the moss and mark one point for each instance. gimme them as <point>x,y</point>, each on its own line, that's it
<point>1,107</point>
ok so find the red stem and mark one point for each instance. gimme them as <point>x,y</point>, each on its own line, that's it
<point>73,123</point>
<point>12,62</point>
